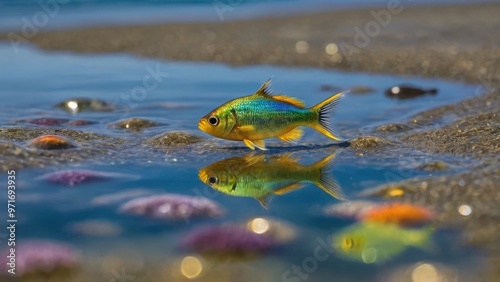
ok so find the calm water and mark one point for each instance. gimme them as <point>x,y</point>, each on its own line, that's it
<point>32,82</point>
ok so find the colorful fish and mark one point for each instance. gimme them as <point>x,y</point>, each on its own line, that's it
<point>253,118</point>
<point>399,213</point>
<point>260,178</point>
<point>372,242</point>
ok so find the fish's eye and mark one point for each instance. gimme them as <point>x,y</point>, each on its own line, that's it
<point>213,120</point>
<point>213,180</point>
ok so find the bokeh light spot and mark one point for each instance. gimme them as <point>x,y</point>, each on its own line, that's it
<point>191,267</point>
<point>259,225</point>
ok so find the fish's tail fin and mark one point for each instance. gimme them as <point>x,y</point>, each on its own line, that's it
<point>326,182</point>
<point>324,109</point>
<point>422,238</point>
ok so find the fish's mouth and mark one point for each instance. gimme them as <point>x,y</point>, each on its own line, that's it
<point>203,175</point>
<point>203,125</point>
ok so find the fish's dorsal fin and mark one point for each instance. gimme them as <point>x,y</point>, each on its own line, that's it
<point>292,135</point>
<point>288,188</point>
<point>251,158</point>
<point>265,200</point>
<point>289,100</point>
<point>265,89</point>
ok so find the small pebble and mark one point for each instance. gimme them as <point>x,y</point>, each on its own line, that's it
<point>369,142</point>
<point>360,89</point>
<point>76,105</point>
<point>394,127</point>
<point>134,124</point>
<point>48,121</point>
<point>51,142</point>
<point>329,88</point>
<point>81,122</point>
<point>174,138</point>
<point>408,92</point>
<point>434,166</point>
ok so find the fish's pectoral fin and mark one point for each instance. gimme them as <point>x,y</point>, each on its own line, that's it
<point>290,100</point>
<point>252,144</point>
<point>265,200</point>
<point>249,144</point>
<point>261,144</point>
<point>288,188</point>
<point>292,135</point>
<point>253,158</point>
<point>287,158</point>
<point>245,129</point>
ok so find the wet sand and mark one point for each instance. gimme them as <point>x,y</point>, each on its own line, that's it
<point>457,43</point>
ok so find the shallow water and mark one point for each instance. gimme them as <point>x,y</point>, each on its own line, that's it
<point>32,82</point>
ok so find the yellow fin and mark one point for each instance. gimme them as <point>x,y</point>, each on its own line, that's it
<point>326,182</point>
<point>288,188</point>
<point>292,135</point>
<point>249,144</point>
<point>265,200</point>
<point>246,128</point>
<point>252,158</point>
<point>264,90</point>
<point>261,144</point>
<point>289,100</point>
<point>324,109</point>
<point>287,158</point>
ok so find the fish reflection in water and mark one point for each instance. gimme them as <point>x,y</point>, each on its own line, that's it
<point>259,177</point>
<point>373,242</point>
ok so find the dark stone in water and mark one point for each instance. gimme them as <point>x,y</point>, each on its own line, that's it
<point>328,88</point>
<point>408,92</point>
<point>369,142</point>
<point>134,124</point>
<point>47,121</point>
<point>360,89</point>
<point>172,207</point>
<point>227,240</point>
<point>76,105</point>
<point>174,138</point>
<point>394,127</point>
<point>39,258</point>
<point>74,177</point>
<point>434,166</point>
<point>51,142</point>
<point>80,122</point>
